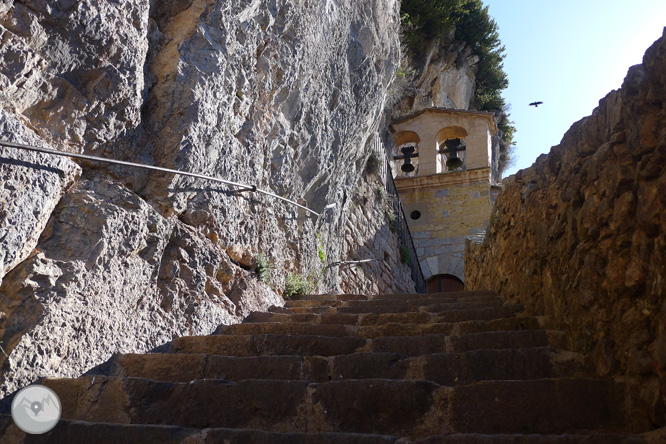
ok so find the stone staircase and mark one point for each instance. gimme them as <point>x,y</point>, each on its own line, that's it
<point>443,368</point>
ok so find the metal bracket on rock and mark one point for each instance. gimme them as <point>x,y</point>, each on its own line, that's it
<point>243,187</point>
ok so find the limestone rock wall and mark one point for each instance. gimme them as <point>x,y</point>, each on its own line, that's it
<point>581,235</point>
<point>97,259</point>
<point>446,79</point>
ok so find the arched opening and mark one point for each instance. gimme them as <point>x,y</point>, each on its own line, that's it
<point>407,151</point>
<point>445,283</point>
<point>451,146</point>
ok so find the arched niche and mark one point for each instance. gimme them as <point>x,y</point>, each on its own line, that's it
<point>406,139</point>
<point>450,133</point>
<point>445,283</point>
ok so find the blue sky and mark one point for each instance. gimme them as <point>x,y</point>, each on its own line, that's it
<point>568,54</point>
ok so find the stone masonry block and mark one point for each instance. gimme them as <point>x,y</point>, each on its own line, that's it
<point>433,265</point>
<point>425,268</point>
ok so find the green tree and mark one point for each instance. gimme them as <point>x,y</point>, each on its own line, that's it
<point>427,21</point>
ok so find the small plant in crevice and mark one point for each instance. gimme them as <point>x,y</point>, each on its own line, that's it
<point>264,269</point>
<point>404,254</point>
<point>320,250</point>
<point>380,193</point>
<point>296,285</point>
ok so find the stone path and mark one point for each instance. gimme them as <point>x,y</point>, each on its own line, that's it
<point>443,368</point>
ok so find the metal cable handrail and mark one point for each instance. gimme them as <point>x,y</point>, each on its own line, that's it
<point>252,188</point>
<point>404,232</point>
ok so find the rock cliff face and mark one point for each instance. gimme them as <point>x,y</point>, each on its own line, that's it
<point>281,94</point>
<point>581,235</point>
<point>446,79</point>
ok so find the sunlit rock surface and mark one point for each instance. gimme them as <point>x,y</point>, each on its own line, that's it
<point>281,94</point>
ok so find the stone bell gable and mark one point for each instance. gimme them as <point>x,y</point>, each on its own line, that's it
<point>443,166</point>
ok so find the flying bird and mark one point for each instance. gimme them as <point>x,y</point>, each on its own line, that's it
<point>536,104</point>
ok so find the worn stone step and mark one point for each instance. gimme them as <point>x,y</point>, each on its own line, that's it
<point>423,345</point>
<point>351,297</point>
<point>442,368</point>
<point>378,306</point>
<point>281,328</point>
<point>451,328</point>
<point>454,302</point>
<point>314,345</point>
<point>372,328</point>
<point>545,406</point>
<point>453,294</point>
<point>399,408</point>
<point>439,312</point>
<point>69,431</point>
<point>436,308</point>
<point>474,438</point>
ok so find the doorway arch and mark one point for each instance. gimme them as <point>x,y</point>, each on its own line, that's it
<point>445,283</point>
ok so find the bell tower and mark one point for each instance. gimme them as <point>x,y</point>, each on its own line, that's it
<point>443,169</point>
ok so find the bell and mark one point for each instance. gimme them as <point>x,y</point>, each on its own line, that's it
<point>453,161</point>
<point>407,150</point>
<point>407,165</point>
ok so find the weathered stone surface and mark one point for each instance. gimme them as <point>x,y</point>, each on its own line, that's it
<point>581,235</point>
<point>281,94</point>
<point>32,184</point>
<point>113,275</point>
<point>75,69</point>
<point>445,78</point>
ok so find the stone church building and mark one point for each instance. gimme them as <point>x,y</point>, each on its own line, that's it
<point>446,174</point>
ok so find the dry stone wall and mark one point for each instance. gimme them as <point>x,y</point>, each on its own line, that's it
<point>370,233</point>
<point>276,93</point>
<point>581,235</point>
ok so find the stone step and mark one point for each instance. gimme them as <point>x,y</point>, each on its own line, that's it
<point>352,297</point>
<point>391,407</point>
<point>69,431</point>
<point>477,301</point>
<point>316,345</point>
<point>438,312</point>
<point>437,308</point>
<point>454,329</point>
<point>372,327</point>
<point>442,368</point>
<point>603,438</point>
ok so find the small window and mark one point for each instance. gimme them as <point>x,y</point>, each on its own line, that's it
<point>415,215</point>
